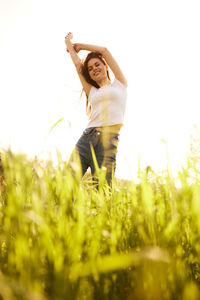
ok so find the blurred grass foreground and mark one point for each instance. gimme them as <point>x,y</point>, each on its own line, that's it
<point>60,238</point>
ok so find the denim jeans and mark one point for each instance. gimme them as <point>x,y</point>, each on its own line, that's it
<point>105,149</point>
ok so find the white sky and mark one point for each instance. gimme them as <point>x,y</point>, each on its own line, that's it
<point>156,44</point>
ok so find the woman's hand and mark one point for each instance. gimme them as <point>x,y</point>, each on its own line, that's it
<point>69,36</point>
<point>68,39</point>
<point>77,47</point>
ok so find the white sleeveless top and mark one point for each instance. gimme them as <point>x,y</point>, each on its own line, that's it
<point>107,104</point>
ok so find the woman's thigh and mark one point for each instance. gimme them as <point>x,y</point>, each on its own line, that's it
<point>80,155</point>
<point>106,152</point>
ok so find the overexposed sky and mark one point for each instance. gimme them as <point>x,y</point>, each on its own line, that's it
<point>156,44</point>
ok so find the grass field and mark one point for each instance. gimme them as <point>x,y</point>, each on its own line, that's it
<point>60,238</point>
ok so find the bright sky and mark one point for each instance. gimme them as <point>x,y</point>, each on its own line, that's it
<point>156,44</point>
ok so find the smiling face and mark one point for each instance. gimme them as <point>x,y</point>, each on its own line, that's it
<point>97,70</point>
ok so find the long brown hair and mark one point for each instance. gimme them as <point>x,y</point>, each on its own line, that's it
<point>85,72</point>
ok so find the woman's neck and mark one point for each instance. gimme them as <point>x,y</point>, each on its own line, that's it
<point>104,82</point>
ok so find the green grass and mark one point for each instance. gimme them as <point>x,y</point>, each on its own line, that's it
<point>60,238</point>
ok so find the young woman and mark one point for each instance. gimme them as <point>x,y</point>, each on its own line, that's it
<point>105,106</point>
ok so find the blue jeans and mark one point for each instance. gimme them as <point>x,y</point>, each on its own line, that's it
<point>105,149</point>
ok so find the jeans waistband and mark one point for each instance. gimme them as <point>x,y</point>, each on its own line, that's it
<point>90,130</point>
<point>93,130</point>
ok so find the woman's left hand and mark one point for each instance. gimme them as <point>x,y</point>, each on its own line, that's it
<point>77,47</point>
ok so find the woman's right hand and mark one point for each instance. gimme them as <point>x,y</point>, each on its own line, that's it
<point>68,39</point>
<point>69,36</point>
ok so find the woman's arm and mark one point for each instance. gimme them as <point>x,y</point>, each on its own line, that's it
<point>77,62</point>
<point>108,57</point>
<point>70,48</point>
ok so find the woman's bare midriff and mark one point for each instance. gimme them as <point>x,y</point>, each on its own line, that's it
<point>112,128</point>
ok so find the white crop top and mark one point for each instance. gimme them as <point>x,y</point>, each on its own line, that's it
<point>107,104</point>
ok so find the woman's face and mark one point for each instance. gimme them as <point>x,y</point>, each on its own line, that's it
<point>97,70</point>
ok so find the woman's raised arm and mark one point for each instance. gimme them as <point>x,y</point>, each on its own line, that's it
<point>71,48</point>
<point>108,57</point>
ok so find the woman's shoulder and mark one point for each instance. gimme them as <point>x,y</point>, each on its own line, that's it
<point>117,82</point>
<point>92,91</point>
